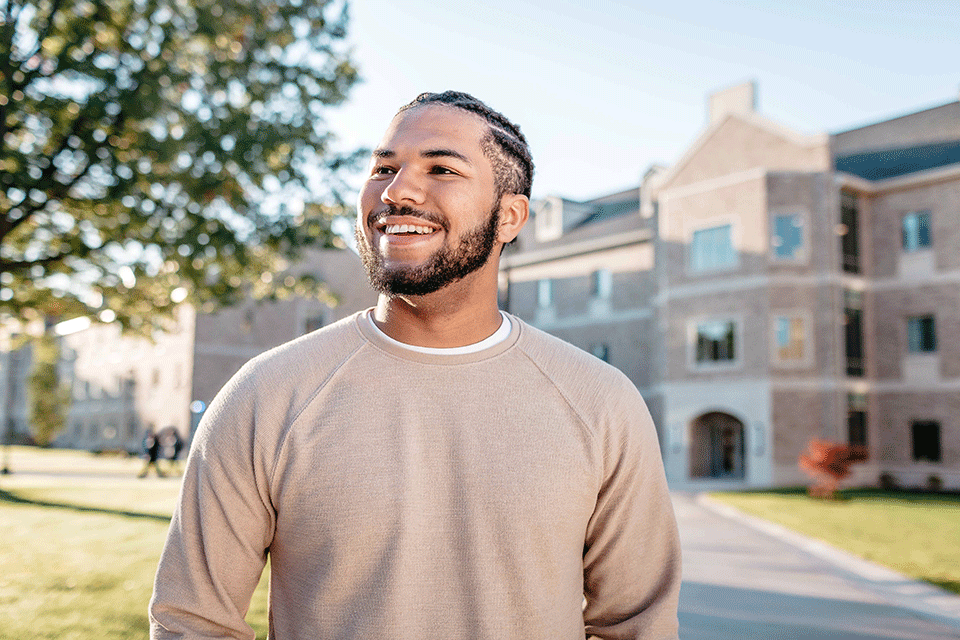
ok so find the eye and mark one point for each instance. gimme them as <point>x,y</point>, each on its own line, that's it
<point>442,171</point>
<point>380,170</point>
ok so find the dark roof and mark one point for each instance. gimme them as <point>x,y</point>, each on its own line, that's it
<point>890,163</point>
<point>605,209</point>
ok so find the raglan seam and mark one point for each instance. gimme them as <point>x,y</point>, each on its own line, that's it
<point>563,394</point>
<point>293,421</point>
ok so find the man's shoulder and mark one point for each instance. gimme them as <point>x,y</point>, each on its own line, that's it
<point>318,351</point>
<point>570,367</point>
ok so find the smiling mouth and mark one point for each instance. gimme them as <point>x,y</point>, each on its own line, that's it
<point>407,229</point>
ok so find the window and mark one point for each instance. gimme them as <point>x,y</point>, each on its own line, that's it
<point>921,334</point>
<point>926,440</point>
<point>712,249</point>
<point>601,350</point>
<point>857,419</point>
<point>916,231</point>
<point>544,293</point>
<point>849,231</point>
<point>715,341</point>
<point>601,283</point>
<point>790,337</point>
<point>787,238</point>
<point>313,323</point>
<point>853,332</point>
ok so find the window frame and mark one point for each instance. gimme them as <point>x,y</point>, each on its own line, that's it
<point>544,293</point>
<point>601,284</point>
<point>851,254</point>
<point>926,213</point>
<point>314,322</point>
<point>693,333</point>
<point>802,255</point>
<point>915,454</point>
<point>855,365</point>
<point>922,346</point>
<point>713,224</point>
<point>858,406</point>
<point>806,356</point>
<point>600,350</point>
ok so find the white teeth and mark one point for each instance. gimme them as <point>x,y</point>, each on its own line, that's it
<point>407,228</point>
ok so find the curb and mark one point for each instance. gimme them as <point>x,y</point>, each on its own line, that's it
<point>921,597</point>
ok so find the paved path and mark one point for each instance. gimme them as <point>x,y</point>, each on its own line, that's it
<point>745,579</point>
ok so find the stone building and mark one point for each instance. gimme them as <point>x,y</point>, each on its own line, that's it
<point>122,385</point>
<point>771,288</point>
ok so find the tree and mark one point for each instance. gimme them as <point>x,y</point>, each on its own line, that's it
<point>49,399</point>
<point>153,151</point>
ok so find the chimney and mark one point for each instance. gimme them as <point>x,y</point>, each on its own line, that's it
<point>741,98</point>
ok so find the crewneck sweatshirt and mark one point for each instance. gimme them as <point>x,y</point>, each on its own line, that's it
<point>404,495</point>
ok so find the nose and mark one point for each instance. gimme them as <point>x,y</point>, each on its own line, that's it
<point>403,188</point>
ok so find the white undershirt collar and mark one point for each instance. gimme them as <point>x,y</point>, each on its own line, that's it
<point>497,337</point>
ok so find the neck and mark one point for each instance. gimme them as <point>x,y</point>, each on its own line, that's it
<point>462,313</point>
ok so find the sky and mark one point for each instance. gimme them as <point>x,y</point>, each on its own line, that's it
<point>605,89</point>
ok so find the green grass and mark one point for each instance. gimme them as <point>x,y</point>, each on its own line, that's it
<point>79,555</point>
<point>917,534</point>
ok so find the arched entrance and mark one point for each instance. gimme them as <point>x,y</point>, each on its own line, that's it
<point>717,449</point>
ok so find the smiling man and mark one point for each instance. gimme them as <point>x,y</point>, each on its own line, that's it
<point>433,467</point>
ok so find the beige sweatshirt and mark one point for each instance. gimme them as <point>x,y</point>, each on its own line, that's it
<point>402,495</point>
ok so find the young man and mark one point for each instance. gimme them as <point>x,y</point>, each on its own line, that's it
<point>431,468</point>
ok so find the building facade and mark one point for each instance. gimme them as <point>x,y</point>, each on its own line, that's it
<point>771,288</point>
<point>122,386</point>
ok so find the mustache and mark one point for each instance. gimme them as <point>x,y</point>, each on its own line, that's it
<point>392,210</point>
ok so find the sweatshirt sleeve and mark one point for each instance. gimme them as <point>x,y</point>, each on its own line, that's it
<point>217,545</point>
<point>632,549</point>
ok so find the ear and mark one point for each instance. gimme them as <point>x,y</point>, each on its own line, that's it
<point>514,211</point>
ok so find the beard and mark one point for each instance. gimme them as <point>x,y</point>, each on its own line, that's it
<point>446,265</point>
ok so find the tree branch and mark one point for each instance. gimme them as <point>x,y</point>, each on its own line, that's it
<point>14,266</point>
<point>30,74</point>
<point>7,225</point>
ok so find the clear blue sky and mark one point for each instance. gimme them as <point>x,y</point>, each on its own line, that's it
<point>604,89</point>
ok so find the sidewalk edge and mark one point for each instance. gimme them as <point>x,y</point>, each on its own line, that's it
<point>921,597</point>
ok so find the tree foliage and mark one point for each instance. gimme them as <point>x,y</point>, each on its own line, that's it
<point>157,150</point>
<point>48,398</point>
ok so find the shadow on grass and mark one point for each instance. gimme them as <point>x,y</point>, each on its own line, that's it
<point>949,585</point>
<point>12,498</point>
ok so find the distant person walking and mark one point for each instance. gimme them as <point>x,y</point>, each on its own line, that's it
<point>174,446</point>
<point>151,452</point>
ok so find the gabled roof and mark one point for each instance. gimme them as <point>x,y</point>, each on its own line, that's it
<point>612,206</point>
<point>753,120</point>
<point>612,214</point>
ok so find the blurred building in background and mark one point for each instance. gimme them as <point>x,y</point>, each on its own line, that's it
<point>768,289</point>
<point>771,288</point>
<point>122,385</point>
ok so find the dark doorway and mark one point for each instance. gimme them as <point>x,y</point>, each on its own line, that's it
<point>717,449</point>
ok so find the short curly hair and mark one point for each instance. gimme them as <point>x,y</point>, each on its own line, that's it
<point>504,144</point>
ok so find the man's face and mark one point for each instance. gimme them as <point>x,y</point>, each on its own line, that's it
<point>428,212</point>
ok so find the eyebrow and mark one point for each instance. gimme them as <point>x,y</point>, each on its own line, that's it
<point>428,153</point>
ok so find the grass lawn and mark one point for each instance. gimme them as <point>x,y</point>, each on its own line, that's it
<point>80,552</point>
<point>916,534</point>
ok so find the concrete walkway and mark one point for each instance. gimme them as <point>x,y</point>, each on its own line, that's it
<point>746,579</point>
